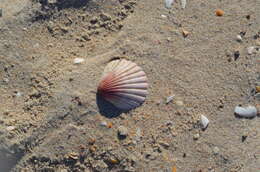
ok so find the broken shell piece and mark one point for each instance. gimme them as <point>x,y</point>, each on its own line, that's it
<point>169,99</point>
<point>163,16</point>
<point>168,3</point>
<point>247,112</point>
<point>78,60</point>
<point>10,128</point>
<point>183,4</point>
<point>204,121</point>
<point>250,50</point>
<point>185,32</point>
<point>239,38</point>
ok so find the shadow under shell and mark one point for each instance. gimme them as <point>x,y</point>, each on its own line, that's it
<point>106,108</point>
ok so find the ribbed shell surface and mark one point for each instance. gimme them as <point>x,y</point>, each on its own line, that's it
<point>124,84</point>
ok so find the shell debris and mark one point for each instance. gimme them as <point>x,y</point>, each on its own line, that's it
<point>168,3</point>
<point>204,121</point>
<point>250,50</point>
<point>239,38</point>
<point>246,112</point>
<point>183,3</point>
<point>78,60</point>
<point>170,99</point>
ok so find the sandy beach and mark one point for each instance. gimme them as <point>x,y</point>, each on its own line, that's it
<point>198,62</point>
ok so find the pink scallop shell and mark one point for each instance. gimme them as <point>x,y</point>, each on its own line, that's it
<point>124,84</point>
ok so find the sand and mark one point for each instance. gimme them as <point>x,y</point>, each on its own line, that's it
<point>49,116</point>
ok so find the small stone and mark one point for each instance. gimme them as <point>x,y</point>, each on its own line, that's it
<point>250,50</point>
<point>215,150</point>
<point>236,55</point>
<point>10,128</point>
<point>219,12</point>
<point>169,99</point>
<point>122,131</point>
<point>1,12</point>
<point>239,38</point>
<point>196,136</point>
<point>204,121</point>
<point>78,60</point>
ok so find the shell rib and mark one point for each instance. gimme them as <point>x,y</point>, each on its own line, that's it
<point>124,84</point>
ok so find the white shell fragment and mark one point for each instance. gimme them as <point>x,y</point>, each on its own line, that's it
<point>250,50</point>
<point>124,84</point>
<point>78,60</point>
<point>239,38</point>
<point>183,4</point>
<point>247,112</point>
<point>204,121</point>
<point>169,99</point>
<point>168,3</point>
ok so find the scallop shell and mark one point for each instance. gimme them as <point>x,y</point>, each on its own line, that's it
<point>124,84</point>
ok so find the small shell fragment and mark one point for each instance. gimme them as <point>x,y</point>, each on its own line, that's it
<point>169,99</point>
<point>250,50</point>
<point>183,4</point>
<point>204,121</point>
<point>239,38</point>
<point>168,3</point>
<point>219,12</point>
<point>78,60</point>
<point>10,128</point>
<point>247,112</point>
<point>185,33</point>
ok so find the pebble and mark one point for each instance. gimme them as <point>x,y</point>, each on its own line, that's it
<point>122,131</point>
<point>236,55</point>
<point>247,112</point>
<point>169,99</point>
<point>78,60</point>
<point>250,50</point>
<point>239,38</point>
<point>1,12</point>
<point>219,12</point>
<point>196,136</point>
<point>215,150</point>
<point>204,121</point>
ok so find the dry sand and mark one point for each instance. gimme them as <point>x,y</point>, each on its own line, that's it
<point>49,117</point>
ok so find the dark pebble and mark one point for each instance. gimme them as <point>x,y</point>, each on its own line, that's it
<point>1,12</point>
<point>236,55</point>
